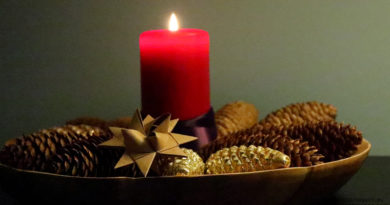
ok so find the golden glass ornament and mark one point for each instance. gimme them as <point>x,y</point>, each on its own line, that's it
<point>246,159</point>
<point>183,166</point>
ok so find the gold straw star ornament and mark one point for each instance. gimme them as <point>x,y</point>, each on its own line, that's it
<point>146,139</point>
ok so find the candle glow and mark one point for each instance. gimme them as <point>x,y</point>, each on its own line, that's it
<point>173,24</point>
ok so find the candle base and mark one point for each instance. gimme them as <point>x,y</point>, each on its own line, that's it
<point>203,127</point>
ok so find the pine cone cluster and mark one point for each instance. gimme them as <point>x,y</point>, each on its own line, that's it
<point>245,159</point>
<point>306,133</point>
<point>234,117</point>
<point>300,113</point>
<point>334,140</point>
<point>35,150</point>
<point>300,152</point>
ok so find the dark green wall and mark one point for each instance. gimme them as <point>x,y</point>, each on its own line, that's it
<point>62,59</point>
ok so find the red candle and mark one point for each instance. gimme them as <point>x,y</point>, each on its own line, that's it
<point>175,72</point>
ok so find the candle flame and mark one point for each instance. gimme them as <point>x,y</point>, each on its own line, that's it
<point>173,24</point>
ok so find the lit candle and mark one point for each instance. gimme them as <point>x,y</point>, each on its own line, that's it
<point>175,71</point>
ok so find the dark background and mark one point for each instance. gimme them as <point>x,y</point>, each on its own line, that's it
<point>64,59</point>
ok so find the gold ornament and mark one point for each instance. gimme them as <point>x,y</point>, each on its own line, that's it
<point>192,164</point>
<point>146,139</point>
<point>245,159</point>
<point>235,116</point>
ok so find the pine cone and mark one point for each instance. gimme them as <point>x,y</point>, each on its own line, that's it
<point>122,122</point>
<point>300,152</point>
<point>85,158</point>
<point>300,113</point>
<point>234,117</point>
<point>91,121</point>
<point>245,159</point>
<point>33,151</point>
<point>333,140</point>
<point>182,166</point>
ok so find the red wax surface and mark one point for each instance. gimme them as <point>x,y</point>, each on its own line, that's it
<point>175,72</point>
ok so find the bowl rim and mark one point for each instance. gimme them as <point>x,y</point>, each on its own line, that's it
<point>340,161</point>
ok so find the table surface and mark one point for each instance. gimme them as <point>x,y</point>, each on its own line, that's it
<point>370,186</point>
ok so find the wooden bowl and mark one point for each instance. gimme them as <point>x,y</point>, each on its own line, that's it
<point>292,185</point>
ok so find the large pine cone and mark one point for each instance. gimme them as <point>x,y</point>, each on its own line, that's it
<point>300,113</point>
<point>300,153</point>
<point>234,117</point>
<point>86,158</point>
<point>34,150</point>
<point>333,140</point>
